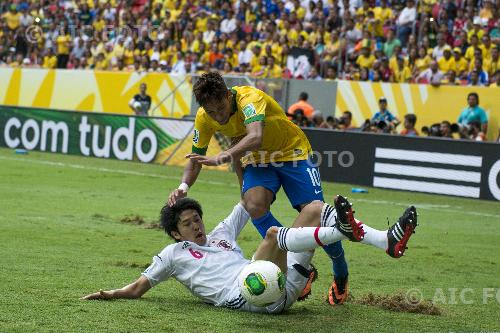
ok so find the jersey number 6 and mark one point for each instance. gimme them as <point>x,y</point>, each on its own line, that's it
<point>196,254</point>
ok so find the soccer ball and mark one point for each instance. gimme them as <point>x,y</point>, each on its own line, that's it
<point>137,105</point>
<point>261,283</point>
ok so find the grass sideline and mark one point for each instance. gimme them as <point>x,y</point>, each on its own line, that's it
<point>61,237</point>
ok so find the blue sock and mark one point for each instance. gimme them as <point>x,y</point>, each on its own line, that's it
<point>265,222</point>
<point>336,253</point>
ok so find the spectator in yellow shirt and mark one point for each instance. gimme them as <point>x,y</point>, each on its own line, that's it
<point>393,61</point>
<point>260,70</point>
<point>49,60</point>
<point>12,18</point>
<point>63,42</point>
<point>446,62</point>
<point>486,47</point>
<point>383,13</point>
<point>365,59</point>
<point>273,70</point>
<point>495,61</point>
<point>402,74</point>
<point>476,30</point>
<point>474,44</point>
<point>461,63</point>
<point>101,63</point>
<point>422,62</point>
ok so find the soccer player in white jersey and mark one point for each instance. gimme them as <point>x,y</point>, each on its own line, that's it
<point>208,265</point>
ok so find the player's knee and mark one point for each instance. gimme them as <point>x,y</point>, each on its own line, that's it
<point>272,234</point>
<point>256,208</point>
<point>313,212</point>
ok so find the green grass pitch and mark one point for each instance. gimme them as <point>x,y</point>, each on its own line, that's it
<point>61,237</point>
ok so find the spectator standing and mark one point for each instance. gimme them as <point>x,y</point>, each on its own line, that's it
<point>302,104</point>
<point>473,112</point>
<point>141,103</point>
<point>384,115</point>
<point>405,21</point>
<point>63,42</point>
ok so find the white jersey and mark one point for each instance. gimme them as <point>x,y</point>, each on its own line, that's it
<point>209,271</point>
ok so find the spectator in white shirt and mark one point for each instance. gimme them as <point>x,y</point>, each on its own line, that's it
<point>79,49</point>
<point>245,55</point>
<point>209,34</point>
<point>437,52</point>
<point>228,24</point>
<point>352,35</point>
<point>431,75</point>
<point>405,21</point>
<point>179,68</point>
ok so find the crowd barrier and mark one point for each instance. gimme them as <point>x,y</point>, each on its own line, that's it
<point>430,165</point>
<point>131,138</point>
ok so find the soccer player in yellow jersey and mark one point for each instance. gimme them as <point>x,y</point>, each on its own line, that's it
<point>280,156</point>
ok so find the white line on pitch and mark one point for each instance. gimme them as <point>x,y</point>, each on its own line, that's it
<point>428,206</point>
<point>123,172</point>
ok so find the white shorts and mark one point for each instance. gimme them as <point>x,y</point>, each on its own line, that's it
<point>295,283</point>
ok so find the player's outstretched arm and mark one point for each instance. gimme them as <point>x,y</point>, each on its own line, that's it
<point>191,172</point>
<point>250,142</point>
<point>133,290</point>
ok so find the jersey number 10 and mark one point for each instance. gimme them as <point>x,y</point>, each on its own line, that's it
<point>314,175</point>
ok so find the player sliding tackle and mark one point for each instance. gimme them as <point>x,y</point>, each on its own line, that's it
<point>209,265</point>
<point>280,157</point>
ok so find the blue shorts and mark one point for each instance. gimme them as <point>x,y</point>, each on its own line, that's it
<point>300,180</point>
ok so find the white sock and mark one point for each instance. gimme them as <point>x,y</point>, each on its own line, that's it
<point>307,238</point>
<point>375,237</point>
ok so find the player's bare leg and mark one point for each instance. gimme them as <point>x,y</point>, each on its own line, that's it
<point>268,248</point>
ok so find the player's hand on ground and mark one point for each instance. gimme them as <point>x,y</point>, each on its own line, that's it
<point>176,195</point>
<point>101,294</point>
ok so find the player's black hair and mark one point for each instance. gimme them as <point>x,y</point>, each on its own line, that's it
<point>169,216</point>
<point>210,86</point>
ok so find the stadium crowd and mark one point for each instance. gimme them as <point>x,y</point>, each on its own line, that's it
<point>427,41</point>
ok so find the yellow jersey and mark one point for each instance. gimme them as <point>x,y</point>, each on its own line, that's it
<point>447,65</point>
<point>366,62</point>
<point>282,140</point>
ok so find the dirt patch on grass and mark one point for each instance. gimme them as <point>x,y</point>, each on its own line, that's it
<point>399,302</point>
<point>139,220</point>
<point>133,219</point>
<point>153,225</point>
<point>129,264</point>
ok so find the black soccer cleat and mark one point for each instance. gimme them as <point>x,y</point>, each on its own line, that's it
<point>399,234</point>
<point>345,221</point>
